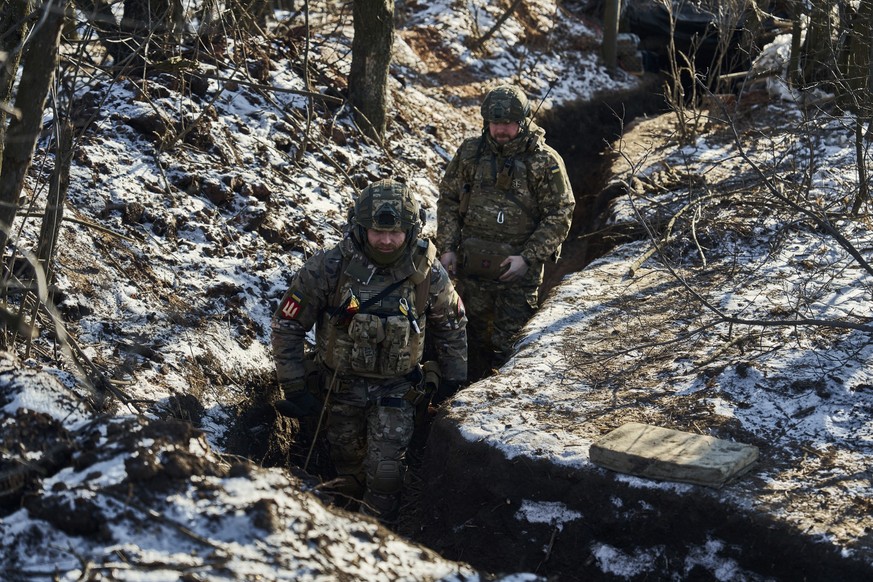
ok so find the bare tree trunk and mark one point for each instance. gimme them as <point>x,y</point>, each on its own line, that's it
<point>51,223</point>
<point>818,62</point>
<point>54,208</point>
<point>794,58</point>
<point>858,75</point>
<point>610,33</point>
<point>101,18</point>
<point>39,64</point>
<point>371,56</point>
<point>13,27</point>
<point>250,15</point>
<point>858,63</point>
<point>154,26</point>
<point>307,84</point>
<point>861,156</point>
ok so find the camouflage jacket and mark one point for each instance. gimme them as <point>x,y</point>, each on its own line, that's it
<point>370,321</point>
<point>517,195</point>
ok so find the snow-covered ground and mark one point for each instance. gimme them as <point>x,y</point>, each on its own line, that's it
<point>188,212</point>
<point>700,336</point>
<point>170,298</point>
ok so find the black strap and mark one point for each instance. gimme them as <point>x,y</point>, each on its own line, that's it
<point>372,300</point>
<point>381,294</point>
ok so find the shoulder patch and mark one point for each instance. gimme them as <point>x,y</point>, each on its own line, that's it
<point>291,307</point>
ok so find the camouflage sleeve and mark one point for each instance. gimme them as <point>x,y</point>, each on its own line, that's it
<point>307,295</point>
<point>556,203</point>
<point>452,186</point>
<point>447,325</point>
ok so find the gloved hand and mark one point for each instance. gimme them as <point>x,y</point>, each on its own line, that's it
<point>446,390</point>
<point>298,404</point>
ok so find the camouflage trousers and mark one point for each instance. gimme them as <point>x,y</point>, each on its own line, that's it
<point>369,432</point>
<point>495,314</point>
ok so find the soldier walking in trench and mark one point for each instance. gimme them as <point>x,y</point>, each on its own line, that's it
<point>371,298</point>
<point>505,208</point>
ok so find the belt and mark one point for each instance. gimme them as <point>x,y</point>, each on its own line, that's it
<point>392,401</point>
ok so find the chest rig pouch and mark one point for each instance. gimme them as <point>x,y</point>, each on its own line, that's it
<point>366,332</point>
<point>385,338</point>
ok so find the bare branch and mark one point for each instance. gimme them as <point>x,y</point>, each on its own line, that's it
<point>484,38</point>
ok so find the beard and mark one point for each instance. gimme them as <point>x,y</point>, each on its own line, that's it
<point>384,257</point>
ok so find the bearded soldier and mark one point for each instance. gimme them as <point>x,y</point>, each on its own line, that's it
<point>505,208</point>
<point>371,298</point>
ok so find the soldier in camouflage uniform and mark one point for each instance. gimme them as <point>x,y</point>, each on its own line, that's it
<point>371,299</point>
<point>505,208</point>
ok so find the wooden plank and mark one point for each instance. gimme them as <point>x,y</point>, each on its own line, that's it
<point>672,455</point>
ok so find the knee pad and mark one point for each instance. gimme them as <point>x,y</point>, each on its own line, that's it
<point>388,477</point>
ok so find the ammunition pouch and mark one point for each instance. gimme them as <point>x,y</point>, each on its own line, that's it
<point>415,395</point>
<point>481,259</point>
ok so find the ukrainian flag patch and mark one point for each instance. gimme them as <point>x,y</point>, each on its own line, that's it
<point>555,169</point>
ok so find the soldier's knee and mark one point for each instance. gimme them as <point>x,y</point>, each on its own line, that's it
<point>387,477</point>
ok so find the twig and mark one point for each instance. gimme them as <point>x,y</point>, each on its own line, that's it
<point>820,221</point>
<point>484,38</point>
<point>88,223</point>
<point>740,320</point>
<point>667,234</point>
<point>320,419</point>
<point>274,89</point>
<point>313,144</point>
<point>128,502</point>
<point>551,544</point>
<point>694,219</point>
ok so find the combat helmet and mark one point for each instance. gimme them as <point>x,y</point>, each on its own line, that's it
<point>505,103</point>
<point>386,205</point>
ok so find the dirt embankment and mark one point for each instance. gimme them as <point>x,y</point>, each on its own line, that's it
<point>472,496</point>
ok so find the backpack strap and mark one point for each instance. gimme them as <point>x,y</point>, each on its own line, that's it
<point>427,253</point>
<point>335,306</point>
<point>464,202</point>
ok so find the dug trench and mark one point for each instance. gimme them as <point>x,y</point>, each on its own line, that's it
<point>459,498</point>
<point>469,495</point>
<point>466,495</point>
<point>462,499</point>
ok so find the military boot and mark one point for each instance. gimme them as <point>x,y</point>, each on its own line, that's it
<point>383,506</point>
